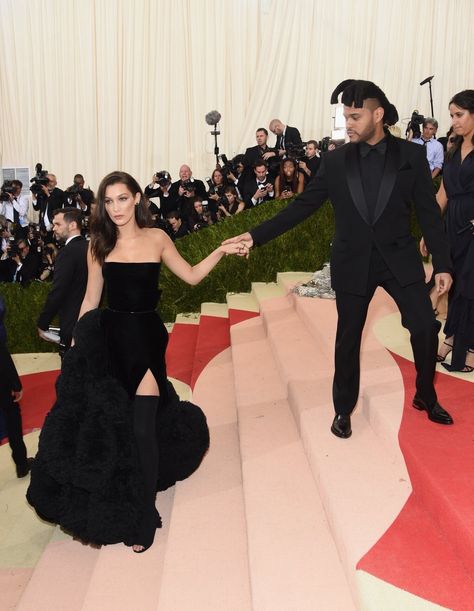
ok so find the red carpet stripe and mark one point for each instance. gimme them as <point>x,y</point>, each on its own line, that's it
<point>429,550</point>
<point>213,338</point>
<point>180,351</point>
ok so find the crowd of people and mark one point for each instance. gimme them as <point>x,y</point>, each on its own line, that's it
<point>372,182</point>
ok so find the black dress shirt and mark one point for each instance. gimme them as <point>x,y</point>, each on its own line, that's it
<point>372,162</point>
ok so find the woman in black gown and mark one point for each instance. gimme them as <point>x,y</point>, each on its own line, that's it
<point>456,198</point>
<point>96,470</point>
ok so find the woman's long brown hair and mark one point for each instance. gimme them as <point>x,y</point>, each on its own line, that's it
<point>103,230</point>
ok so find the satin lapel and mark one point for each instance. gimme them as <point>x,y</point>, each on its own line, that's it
<point>392,161</point>
<point>354,181</point>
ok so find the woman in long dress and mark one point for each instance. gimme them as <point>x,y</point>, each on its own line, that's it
<point>456,199</point>
<point>99,457</point>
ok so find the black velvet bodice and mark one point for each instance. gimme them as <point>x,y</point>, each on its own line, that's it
<point>131,287</point>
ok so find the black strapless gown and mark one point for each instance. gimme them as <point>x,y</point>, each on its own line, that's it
<point>86,475</point>
<point>458,180</point>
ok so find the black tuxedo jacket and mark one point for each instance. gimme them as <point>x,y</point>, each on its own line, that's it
<point>29,269</point>
<point>200,191</point>
<point>292,136</point>
<point>250,187</point>
<point>56,199</point>
<point>406,179</point>
<point>69,286</point>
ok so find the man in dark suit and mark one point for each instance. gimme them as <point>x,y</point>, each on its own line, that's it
<point>371,182</point>
<point>70,277</point>
<point>10,395</point>
<point>183,187</point>
<point>259,188</point>
<point>28,263</point>
<point>52,198</point>
<point>286,136</point>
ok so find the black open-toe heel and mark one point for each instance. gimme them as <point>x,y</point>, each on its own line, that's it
<point>440,358</point>
<point>151,521</point>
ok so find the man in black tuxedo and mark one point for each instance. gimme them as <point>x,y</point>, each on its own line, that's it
<point>286,136</point>
<point>183,187</point>
<point>70,277</point>
<point>28,263</point>
<point>371,182</point>
<point>52,198</point>
<point>259,188</point>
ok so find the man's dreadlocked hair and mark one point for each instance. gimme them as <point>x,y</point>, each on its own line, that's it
<point>354,92</point>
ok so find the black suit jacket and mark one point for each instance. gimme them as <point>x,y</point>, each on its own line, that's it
<point>292,136</point>
<point>56,199</point>
<point>199,190</point>
<point>69,286</point>
<point>30,266</point>
<point>406,180</point>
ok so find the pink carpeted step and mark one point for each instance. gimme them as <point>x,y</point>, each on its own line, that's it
<point>206,564</point>
<point>294,562</point>
<point>61,578</point>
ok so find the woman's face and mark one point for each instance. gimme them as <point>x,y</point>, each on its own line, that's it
<point>217,178</point>
<point>230,198</point>
<point>462,120</point>
<point>120,204</point>
<point>288,169</point>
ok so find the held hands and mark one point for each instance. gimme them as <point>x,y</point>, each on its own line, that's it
<point>241,245</point>
<point>443,283</point>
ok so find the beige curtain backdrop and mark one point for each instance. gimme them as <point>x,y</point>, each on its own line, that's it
<point>93,85</point>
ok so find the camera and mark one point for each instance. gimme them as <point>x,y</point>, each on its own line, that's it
<point>7,189</point>
<point>162,178</point>
<point>229,167</point>
<point>296,151</point>
<point>39,180</point>
<point>187,185</point>
<point>323,145</point>
<point>416,120</point>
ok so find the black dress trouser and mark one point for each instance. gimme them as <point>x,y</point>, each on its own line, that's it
<point>12,414</point>
<point>417,317</point>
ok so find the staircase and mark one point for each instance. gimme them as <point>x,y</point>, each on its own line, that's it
<point>281,516</point>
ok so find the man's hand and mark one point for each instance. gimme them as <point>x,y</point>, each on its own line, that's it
<point>17,395</point>
<point>424,251</point>
<point>245,242</point>
<point>259,193</point>
<point>443,283</point>
<point>267,155</point>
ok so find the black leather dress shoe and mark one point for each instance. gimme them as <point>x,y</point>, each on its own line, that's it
<point>23,469</point>
<point>435,412</point>
<point>341,426</point>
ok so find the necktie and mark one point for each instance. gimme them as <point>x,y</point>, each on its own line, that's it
<point>16,214</point>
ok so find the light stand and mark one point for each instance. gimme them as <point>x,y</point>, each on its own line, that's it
<point>215,132</point>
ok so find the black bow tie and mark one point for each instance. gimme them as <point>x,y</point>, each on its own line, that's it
<point>380,147</point>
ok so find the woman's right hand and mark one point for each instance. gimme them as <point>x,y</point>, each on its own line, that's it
<point>424,251</point>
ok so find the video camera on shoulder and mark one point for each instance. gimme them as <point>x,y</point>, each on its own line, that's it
<point>6,190</point>
<point>39,181</point>
<point>229,167</point>
<point>415,123</point>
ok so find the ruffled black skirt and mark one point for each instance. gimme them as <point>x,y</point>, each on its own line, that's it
<point>86,474</point>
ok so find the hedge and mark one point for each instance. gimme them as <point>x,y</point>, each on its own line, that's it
<point>304,248</point>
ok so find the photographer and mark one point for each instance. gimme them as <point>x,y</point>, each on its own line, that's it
<point>14,206</point>
<point>234,171</point>
<point>27,260</point>
<point>178,227</point>
<point>78,196</point>
<point>200,216</point>
<point>260,188</point>
<point>231,203</point>
<point>217,184</point>
<point>186,185</point>
<point>47,198</point>
<point>70,277</point>
<point>158,193</point>
<point>286,135</point>
<point>309,165</point>
<point>260,152</point>
<point>48,260</point>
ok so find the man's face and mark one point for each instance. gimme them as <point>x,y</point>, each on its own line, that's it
<point>361,123</point>
<point>185,172</point>
<point>429,131</point>
<point>175,223</point>
<point>79,182</point>
<point>277,128</point>
<point>261,172</point>
<point>52,182</point>
<point>61,229</point>
<point>24,249</point>
<point>310,150</point>
<point>261,137</point>
<point>17,190</point>
<point>198,207</point>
